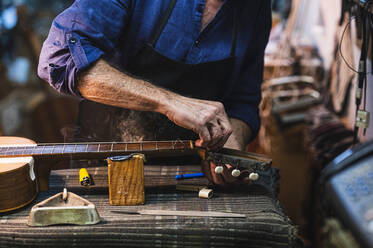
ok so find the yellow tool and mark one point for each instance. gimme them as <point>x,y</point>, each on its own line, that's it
<point>84,177</point>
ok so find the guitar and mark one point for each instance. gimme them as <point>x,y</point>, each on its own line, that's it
<point>25,165</point>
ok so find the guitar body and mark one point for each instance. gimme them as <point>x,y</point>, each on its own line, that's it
<point>18,184</point>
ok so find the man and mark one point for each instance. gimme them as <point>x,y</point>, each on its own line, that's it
<point>197,62</point>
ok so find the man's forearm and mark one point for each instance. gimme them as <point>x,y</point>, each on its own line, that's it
<point>240,136</point>
<point>104,84</point>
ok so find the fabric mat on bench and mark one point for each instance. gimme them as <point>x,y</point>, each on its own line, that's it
<point>266,225</point>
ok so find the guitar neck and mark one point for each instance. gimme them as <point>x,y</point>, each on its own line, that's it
<point>97,150</point>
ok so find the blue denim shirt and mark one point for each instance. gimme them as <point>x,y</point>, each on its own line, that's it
<point>117,29</point>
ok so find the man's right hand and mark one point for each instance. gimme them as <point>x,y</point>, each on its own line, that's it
<point>206,118</point>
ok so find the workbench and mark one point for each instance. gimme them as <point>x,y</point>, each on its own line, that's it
<point>266,225</point>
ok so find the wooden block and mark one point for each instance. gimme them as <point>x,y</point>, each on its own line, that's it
<point>126,180</point>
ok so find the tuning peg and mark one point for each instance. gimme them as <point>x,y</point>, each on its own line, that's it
<point>236,173</point>
<point>219,169</point>
<point>254,176</point>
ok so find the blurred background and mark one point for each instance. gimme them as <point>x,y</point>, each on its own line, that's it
<point>28,106</point>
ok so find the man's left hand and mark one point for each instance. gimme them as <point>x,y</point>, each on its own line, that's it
<point>241,134</point>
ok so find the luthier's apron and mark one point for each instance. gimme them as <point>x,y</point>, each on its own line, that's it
<point>204,81</point>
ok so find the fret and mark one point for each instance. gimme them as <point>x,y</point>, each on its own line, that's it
<point>173,145</point>
<point>32,151</point>
<point>119,147</point>
<point>42,150</point>
<point>182,145</point>
<point>35,150</point>
<point>47,149</point>
<point>80,148</point>
<point>164,145</point>
<point>156,145</point>
<point>98,148</point>
<point>10,151</point>
<point>3,150</point>
<point>7,151</point>
<point>59,149</point>
<point>74,148</point>
<point>17,151</point>
<point>68,149</point>
<point>105,147</point>
<point>112,145</point>
<point>86,148</point>
<point>27,150</point>
<point>92,148</point>
<point>126,146</point>
<point>141,146</point>
<point>52,149</point>
<point>23,151</point>
<point>63,149</point>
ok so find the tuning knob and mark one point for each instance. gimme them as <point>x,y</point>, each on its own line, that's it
<point>219,169</point>
<point>254,176</point>
<point>236,173</point>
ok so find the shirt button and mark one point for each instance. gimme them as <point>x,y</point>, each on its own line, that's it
<point>197,42</point>
<point>72,40</point>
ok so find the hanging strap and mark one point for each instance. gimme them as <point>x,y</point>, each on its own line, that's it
<point>162,23</point>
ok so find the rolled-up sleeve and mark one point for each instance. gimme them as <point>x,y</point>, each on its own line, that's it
<point>243,102</point>
<point>78,37</point>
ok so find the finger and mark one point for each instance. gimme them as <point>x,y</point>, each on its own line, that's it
<point>225,135</point>
<point>216,178</point>
<point>227,175</point>
<point>226,127</point>
<point>220,143</point>
<point>216,134</point>
<point>204,136</point>
<point>225,132</point>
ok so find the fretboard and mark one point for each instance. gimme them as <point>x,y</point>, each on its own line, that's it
<point>94,150</point>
